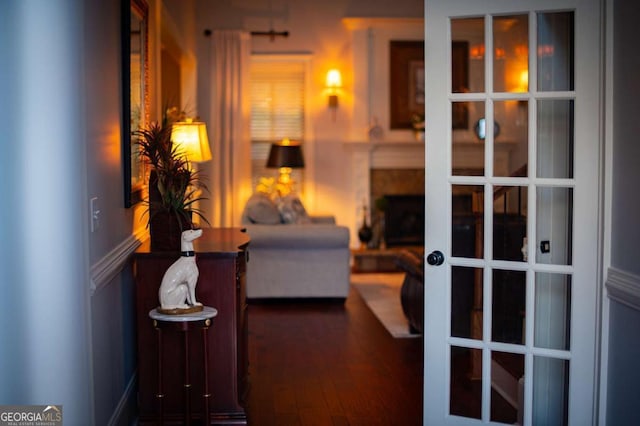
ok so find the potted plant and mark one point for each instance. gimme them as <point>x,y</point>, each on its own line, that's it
<point>174,187</point>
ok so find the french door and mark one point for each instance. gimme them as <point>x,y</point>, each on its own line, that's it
<point>512,201</point>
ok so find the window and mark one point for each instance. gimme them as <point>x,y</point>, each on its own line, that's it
<point>277,109</point>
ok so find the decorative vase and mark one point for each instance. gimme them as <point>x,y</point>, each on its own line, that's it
<point>365,233</point>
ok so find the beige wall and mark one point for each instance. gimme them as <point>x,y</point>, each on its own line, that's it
<point>321,30</point>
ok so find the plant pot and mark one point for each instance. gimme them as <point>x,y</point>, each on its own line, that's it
<point>164,227</point>
<point>165,231</point>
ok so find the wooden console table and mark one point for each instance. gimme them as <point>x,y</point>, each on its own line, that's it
<point>221,259</point>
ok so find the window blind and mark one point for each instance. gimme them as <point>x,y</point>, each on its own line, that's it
<point>277,109</point>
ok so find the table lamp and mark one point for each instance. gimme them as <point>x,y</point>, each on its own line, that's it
<point>285,156</point>
<point>191,138</point>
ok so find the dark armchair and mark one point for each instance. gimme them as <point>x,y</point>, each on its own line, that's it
<point>412,291</point>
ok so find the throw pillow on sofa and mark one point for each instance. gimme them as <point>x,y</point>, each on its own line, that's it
<point>260,209</point>
<point>292,210</point>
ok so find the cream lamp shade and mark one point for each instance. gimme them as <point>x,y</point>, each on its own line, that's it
<point>191,138</point>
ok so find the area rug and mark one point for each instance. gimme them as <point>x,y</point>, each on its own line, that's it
<point>381,293</point>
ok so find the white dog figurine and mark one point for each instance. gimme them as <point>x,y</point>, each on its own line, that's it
<point>178,289</point>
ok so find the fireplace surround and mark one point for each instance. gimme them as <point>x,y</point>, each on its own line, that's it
<point>400,192</point>
<point>378,169</point>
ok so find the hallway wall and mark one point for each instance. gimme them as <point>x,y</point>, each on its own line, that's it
<point>45,355</point>
<point>623,277</point>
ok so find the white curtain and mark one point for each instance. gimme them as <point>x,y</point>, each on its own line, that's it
<point>229,171</point>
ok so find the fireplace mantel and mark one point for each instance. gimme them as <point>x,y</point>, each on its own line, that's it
<point>388,155</point>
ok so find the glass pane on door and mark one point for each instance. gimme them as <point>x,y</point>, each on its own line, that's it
<point>509,222</point>
<point>466,302</point>
<point>555,51</point>
<point>552,311</point>
<point>467,145</point>
<point>467,55</point>
<point>511,53</point>
<point>467,221</point>
<point>466,385</point>
<point>554,231</point>
<point>511,130</point>
<point>550,391</point>
<point>507,387</point>
<point>555,138</point>
<point>508,315</point>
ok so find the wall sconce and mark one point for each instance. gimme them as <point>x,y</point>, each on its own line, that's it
<point>191,138</point>
<point>285,156</point>
<point>333,85</point>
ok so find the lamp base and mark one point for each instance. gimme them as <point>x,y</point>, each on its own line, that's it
<point>285,182</point>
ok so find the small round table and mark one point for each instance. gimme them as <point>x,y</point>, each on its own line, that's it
<point>184,323</point>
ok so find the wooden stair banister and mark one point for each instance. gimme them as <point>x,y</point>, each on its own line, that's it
<point>477,206</point>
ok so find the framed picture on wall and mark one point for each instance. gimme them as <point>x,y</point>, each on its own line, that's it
<point>135,93</point>
<point>406,85</point>
<point>406,82</point>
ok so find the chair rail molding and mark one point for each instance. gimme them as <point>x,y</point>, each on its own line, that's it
<point>623,287</point>
<point>106,269</point>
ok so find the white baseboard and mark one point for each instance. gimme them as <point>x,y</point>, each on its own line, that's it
<point>623,287</point>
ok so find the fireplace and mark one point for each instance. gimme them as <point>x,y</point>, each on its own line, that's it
<point>383,168</point>
<point>403,192</point>
<point>404,220</point>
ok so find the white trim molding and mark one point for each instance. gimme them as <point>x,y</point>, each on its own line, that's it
<point>106,269</point>
<point>623,287</point>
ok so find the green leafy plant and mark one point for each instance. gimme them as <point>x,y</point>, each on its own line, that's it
<point>178,185</point>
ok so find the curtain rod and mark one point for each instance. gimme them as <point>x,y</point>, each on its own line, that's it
<point>271,34</point>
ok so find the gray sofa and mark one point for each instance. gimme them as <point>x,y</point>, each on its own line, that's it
<point>305,258</point>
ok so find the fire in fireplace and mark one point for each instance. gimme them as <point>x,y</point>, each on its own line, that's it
<point>404,220</point>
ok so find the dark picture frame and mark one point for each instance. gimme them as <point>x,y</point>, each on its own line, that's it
<point>406,82</point>
<point>135,93</point>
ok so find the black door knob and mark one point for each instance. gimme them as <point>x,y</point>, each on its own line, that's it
<point>435,258</point>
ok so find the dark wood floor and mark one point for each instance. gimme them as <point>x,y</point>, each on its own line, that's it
<point>324,363</point>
